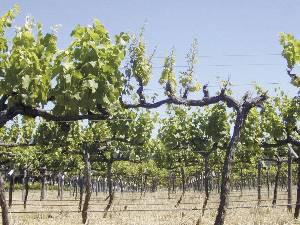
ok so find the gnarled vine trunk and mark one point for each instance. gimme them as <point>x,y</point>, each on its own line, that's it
<point>297,208</point>
<point>5,220</point>
<point>240,118</point>
<point>289,182</point>
<point>268,183</point>
<point>110,188</point>
<point>206,182</point>
<point>169,185</point>
<point>88,182</point>
<point>25,187</point>
<point>241,182</point>
<point>182,172</point>
<point>276,183</point>
<point>11,188</point>
<point>43,182</point>
<point>259,166</point>
<point>61,181</point>
<point>80,184</point>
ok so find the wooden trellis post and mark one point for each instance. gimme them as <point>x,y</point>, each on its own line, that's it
<point>88,181</point>
<point>43,182</point>
<point>259,167</point>
<point>291,154</point>
<point>61,181</point>
<point>11,186</point>
<point>5,219</point>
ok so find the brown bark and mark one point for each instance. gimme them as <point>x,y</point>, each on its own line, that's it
<point>182,172</point>
<point>220,218</point>
<point>121,186</point>
<point>5,219</point>
<point>241,182</point>
<point>88,181</point>
<point>10,190</point>
<point>276,183</point>
<point>268,183</point>
<point>173,183</point>
<point>20,109</point>
<point>61,182</point>
<point>110,188</point>
<point>259,166</point>
<point>289,183</point>
<point>75,187</point>
<point>169,185</point>
<point>145,185</point>
<point>206,182</point>
<point>80,184</point>
<point>297,208</point>
<point>43,181</point>
<point>109,178</point>
<point>25,187</point>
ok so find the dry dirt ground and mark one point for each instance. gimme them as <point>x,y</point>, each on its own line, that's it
<point>151,209</point>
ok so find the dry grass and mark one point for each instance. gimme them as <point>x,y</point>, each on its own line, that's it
<point>155,201</point>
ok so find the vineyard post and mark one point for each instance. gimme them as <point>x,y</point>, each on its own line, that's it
<point>88,182</point>
<point>268,181</point>
<point>11,187</point>
<point>183,179</point>
<point>259,166</point>
<point>58,184</point>
<point>43,182</point>
<point>144,185</point>
<point>297,208</point>
<point>278,169</point>
<point>23,173</point>
<point>96,186</point>
<point>206,182</point>
<point>5,219</point>
<point>110,197</point>
<point>183,184</point>
<point>173,182</point>
<point>25,186</point>
<point>121,186</point>
<point>61,182</point>
<point>75,187</point>
<point>198,180</point>
<point>289,183</point>
<point>241,181</point>
<point>80,184</point>
<point>218,182</point>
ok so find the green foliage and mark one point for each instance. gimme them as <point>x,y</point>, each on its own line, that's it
<point>87,72</point>
<point>5,22</point>
<point>168,76</point>
<point>27,68</point>
<point>184,135</point>
<point>280,117</point>
<point>83,78</point>
<point>289,109</point>
<point>249,149</point>
<point>174,131</point>
<point>140,64</point>
<point>291,52</point>
<point>278,121</point>
<point>186,78</point>
<point>291,49</point>
<point>209,127</point>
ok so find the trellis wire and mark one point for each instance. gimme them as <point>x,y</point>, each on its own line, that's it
<point>134,204</point>
<point>153,210</point>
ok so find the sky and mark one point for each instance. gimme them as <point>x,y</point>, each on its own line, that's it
<point>237,39</point>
